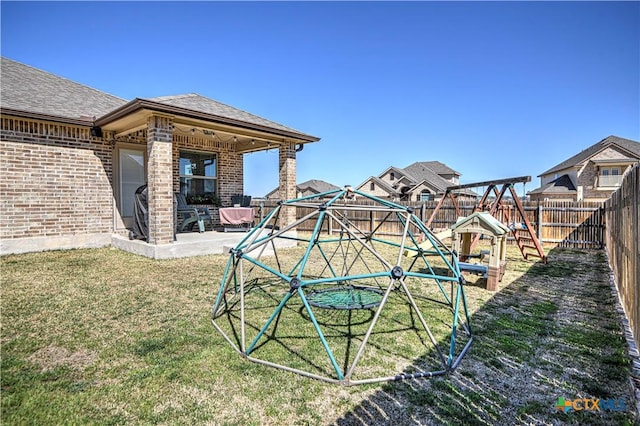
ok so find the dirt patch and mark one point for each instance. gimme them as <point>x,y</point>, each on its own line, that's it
<point>53,356</point>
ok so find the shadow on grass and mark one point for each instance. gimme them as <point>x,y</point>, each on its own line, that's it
<point>552,332</point>
<point>291,337</point>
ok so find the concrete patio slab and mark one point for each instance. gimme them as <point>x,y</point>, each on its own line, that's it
<point>189,244</point>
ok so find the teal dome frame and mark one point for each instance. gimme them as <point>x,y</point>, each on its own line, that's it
<point>338,255</point>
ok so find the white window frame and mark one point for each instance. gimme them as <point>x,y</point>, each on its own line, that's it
<point>609,176</point>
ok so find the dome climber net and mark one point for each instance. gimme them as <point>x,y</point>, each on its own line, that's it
<point>334,296</point>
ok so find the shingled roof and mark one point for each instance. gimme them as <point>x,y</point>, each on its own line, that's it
<point>420,172</point>
<point>317,186</point>
<point>313,185</point>
<point>196,102</point>
<point>628,145</point>
<point>562,184</point>
<point>40,94</point>
<point>434,166</point>
<point>36,92</point>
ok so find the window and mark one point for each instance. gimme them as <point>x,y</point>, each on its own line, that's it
<point>426,196</point>
<point>392,176</point>
<point>609,177</point>
<point>372,186</point>
<point>198,176</point>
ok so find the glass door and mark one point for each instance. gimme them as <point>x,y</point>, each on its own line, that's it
<point>131,175</point>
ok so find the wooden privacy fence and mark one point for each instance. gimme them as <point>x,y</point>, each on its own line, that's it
<point>622,241</point>
<point>564,224</point>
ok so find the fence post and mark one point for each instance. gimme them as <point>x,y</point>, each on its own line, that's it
<point>601,225</point>
<point>371,221</point>
<point>539,222</point>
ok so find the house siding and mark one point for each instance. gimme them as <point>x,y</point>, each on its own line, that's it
<point>378,191</point>
<point>573,175</point>
<point>56,182</point>
<point>553,197</point>
<point>387,178</point>
<point>587,180</point>
<point>415,193</point>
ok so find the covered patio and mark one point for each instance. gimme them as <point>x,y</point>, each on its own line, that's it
<point>193,146</point>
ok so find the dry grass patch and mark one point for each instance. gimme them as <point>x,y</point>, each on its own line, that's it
<point>52,357</point>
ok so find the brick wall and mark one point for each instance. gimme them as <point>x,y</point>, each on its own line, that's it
<point>55,181</point>
<point>587,179</point>
<point>230,175</point>
<point>552,197</point>
<point>160,179</point>
<point>287,176</point>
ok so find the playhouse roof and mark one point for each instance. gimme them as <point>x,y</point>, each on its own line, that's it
<point>482,223</point>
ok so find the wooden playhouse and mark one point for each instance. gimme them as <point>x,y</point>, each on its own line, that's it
<point>462,235</point>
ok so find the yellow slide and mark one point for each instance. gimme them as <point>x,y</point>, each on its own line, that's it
<point>426,244</point>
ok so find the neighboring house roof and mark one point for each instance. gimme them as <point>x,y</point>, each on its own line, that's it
<point>561,185</point>
<point>409,178</point>
<point>313,185</point>
<point>396,170</point>
<point>627,145</point>
<point>435,166</point>
<point>36,92</point>
<point>420,185</point>
<point>316,186</point>
<point>419,172</point>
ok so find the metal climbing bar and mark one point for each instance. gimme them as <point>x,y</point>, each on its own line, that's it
<point>359,274</point>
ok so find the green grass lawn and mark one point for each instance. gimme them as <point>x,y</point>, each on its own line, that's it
<point>105,337</point>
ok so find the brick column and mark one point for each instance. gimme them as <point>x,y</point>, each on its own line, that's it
<point>160,179</point>
<point>287,168</point>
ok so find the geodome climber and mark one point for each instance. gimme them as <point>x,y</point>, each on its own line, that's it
<point>337,297</point>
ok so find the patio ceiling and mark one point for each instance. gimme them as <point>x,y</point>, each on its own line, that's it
<point>248,137</point>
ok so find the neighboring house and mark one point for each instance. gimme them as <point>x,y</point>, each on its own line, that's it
<point>591,175</point>
<point>420,181</point>
<point>310,187</point>
<point>73,156</point>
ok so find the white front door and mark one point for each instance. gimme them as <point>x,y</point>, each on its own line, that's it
<point>131,175</point>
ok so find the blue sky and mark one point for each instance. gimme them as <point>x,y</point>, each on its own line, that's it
<point>492,89</point>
